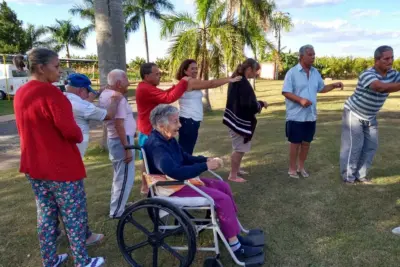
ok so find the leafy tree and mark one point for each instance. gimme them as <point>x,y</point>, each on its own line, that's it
<point>208,37</point>
<point>85,11</point>
<point>136,11</point>
<point>12,35</point>
<point>136,63</point>
<point>65,35</point>
<point>33,36</point>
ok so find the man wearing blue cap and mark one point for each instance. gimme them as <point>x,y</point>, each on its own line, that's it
<point>80,94</point>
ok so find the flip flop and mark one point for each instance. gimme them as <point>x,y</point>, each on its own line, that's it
<point>97,239</point>
<point>237,180</point>
<point>294,175</point>
<point>303,173</point>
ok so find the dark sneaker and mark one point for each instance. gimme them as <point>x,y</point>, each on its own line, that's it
<point>348,182</point>
<point>247,252</point>
<point>245,241</point>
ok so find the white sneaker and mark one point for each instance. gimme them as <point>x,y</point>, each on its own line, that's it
<point>396,231</point>
<point>61,259</point>
<point>96,262</point>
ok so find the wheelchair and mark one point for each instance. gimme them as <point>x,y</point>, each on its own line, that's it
<point>171,219</point>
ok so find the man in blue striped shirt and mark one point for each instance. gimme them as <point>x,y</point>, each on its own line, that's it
<point>359,125</point>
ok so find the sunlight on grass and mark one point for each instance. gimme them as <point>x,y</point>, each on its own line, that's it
<point>317,221</point>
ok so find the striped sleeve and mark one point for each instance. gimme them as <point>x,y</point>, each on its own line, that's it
<point>366,78</point>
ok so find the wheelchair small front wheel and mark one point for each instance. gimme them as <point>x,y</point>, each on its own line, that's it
<point>145,241</point>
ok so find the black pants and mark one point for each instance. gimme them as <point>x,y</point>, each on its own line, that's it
<point>188,134</point>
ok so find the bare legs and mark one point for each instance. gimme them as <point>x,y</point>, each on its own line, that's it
<point>297,156</point>
<point>236,159</point>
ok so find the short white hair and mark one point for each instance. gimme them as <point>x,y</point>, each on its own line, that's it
<point>161,113</point>
<point>114,76</point>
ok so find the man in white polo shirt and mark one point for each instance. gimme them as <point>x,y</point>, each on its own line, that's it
<point>80,94</point>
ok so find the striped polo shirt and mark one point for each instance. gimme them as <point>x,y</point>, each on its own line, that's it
<point>365,102</point>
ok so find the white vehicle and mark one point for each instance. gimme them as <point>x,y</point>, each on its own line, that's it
<point>11,79</point>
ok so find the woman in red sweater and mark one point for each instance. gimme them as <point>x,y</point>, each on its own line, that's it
<point>51,160</point>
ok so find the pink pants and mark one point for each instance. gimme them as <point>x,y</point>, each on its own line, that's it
<point>225,206</point>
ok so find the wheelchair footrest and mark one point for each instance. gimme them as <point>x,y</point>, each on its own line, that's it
<point>255,261</point>
<point>257,237</point>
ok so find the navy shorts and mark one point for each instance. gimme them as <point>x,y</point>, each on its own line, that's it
<point>300,131</point>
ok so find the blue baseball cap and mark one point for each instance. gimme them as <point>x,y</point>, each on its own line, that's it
<point>80,81</point>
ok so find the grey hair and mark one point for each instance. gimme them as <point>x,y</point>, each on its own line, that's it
<point>304,48</point>
<point>40,56</point>
<point>160,114</point>
<point>380,50</point>
<point>114,76</point>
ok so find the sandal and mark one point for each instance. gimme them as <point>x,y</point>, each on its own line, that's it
<point>237,180</point>
<point>98,238</point>
<point>303,173</point>
<point>61,259</point>
<point>293,175</point>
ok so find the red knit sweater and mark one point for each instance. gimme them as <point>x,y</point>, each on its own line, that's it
<point>48,133</point>
<point>148,97</point>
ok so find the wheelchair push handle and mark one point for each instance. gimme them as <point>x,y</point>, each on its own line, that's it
<point>133,147</point>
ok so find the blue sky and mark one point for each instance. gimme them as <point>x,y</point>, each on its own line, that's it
<point>334,27</point>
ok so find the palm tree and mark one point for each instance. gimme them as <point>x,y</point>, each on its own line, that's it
<point>135,12</point>
<point>65,35</point>
<point>110,38</point>
<point>85,11</point>
<point>34,36</point>
<point>208,37</point>
<point>280,21</point>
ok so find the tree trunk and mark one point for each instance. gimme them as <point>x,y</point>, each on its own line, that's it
<point>146,41</point>
<point>204,73</point>
<point>110,38</point>
<point>68,56</point>
<point>279,53</point>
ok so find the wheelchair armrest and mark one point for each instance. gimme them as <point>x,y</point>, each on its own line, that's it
<point>170,183</point>
<point>133,147</point>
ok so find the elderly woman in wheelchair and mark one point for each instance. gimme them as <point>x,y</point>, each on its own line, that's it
<point>164,156</point>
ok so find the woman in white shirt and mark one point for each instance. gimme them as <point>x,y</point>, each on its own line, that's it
<point>191,105</point>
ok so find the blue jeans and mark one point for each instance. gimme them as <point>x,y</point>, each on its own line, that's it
<point>188,134</point>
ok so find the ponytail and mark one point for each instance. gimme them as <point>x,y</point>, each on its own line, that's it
<point>246,64</point>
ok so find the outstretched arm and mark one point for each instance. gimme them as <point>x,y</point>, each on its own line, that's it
<point>196,84</point>
<point>331,86</point>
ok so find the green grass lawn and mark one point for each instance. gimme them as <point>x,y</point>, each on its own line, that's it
<point>6,107</point>
<point>310,222</point>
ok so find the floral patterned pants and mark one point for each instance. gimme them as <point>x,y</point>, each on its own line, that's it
<point>69,199</point>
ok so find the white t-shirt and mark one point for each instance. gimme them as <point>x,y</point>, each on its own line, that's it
<point>84,111</point>
<point>191,105</point>
<point>124,111</point>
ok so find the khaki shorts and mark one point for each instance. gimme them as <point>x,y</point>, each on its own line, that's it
<point>238,144</point>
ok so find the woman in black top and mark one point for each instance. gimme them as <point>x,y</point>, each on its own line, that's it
<point>240,114</point>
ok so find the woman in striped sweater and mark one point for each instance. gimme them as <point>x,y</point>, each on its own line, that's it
<point>240,114</point>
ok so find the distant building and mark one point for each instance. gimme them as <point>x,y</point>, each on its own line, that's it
<point>267,70</point>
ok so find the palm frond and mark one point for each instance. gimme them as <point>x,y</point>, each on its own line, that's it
<point>172,24</point>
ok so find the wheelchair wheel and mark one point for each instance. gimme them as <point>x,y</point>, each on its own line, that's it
<point>150,240</point>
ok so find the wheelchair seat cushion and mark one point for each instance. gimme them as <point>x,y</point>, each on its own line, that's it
<point>152,179</point>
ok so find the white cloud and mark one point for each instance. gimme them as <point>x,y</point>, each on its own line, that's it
<point>358,13</point>
<point>336,31</point>
<point>306,3</point>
